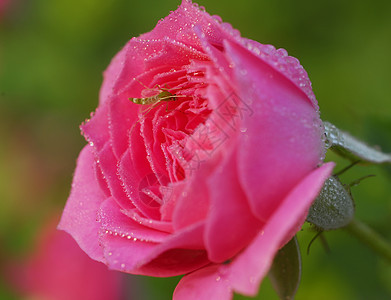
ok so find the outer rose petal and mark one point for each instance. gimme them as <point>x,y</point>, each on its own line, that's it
<point>180,253</point>
<point>111,74</point>
<point>288,65</point>
<point>203,285</point>
<point>247,270</point>
<point>96,129</point>
<point>80,212</point>
<point>282,140</point>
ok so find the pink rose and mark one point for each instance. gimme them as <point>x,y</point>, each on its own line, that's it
<point>59,270</point>
<point>3,7</point>
<point>211,179</point>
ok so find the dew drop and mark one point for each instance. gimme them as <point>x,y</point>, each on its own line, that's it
<point>217,18</point>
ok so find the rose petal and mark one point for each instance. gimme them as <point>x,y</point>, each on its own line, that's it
<point>248,269</point>
<point>122,114</point>
<point>179,26</point>
<point>193,204</point>
<point>110,75</point>
<point>122,254</point>
<point>245,273</point>
<point>203,284</point>
<point>102,181</point>
<point>96,130</point>
<point>132,180</point>
<point>113,221</point>
<point>230,224</point>
<point>182,252</point>
<point>175,191</point>
<point>281,142</point>
<point>108,164</point>
<point>164,226</point>
<point>287,65</point>
<point>80,212</point>
<point>216,55</point>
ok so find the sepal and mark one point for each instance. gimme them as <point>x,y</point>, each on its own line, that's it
<point>350,147</point>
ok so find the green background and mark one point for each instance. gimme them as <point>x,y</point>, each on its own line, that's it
<point>52,54</point>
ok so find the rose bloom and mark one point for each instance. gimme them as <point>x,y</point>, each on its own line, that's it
<point>214,175</point>
<point>4,4</point>
<point>58,269</point>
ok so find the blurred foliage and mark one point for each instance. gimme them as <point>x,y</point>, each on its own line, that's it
<point>52,54</point>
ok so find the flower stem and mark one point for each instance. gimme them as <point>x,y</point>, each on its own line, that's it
<point>371,238</point>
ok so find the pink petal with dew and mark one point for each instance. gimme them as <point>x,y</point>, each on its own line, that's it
<point>181,252</point>
<point>102,181</point>
<point>247,270</point>
<point>288,65</point>
<point>160,56</point>
<point>152,146</point>
<point>177,30</point>
<point>230,224</point>
<point>281,141</point>
<point>113,221</point>
<point>143,54</point>
<point>122,114</point>
<point>136,216</point>
<point>80,212</point>
<point>179,26</point>
<point>110,75</point>
<point>171,53</point>
<point>175,191</point>
<point>95,130</point>
<point>192,286</point>
<point>125,242</point>
<point>132,65</point>
<point>137,154</point>
<point>192,204</point>
<point>108,164</point>
<point>131,180</point>
<point>215,54</point>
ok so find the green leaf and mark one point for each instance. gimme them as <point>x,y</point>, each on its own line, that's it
<point>285,272</point>
<point>350,147</point>
<point>333,208</point>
